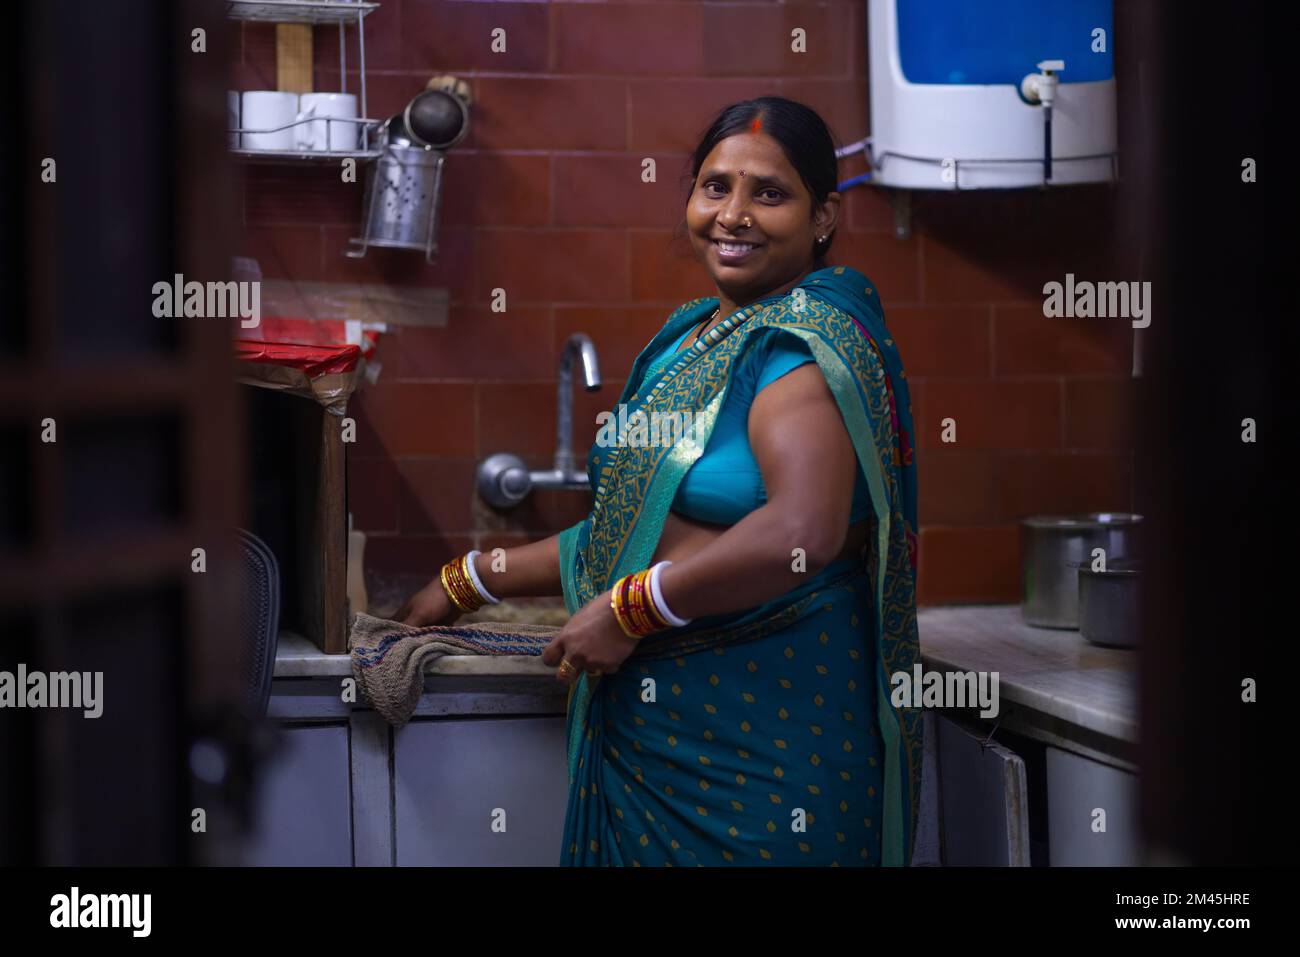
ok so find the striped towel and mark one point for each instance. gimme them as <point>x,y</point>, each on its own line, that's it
<point>388,657</point>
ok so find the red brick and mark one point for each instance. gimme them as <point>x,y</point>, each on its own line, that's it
<point>755,39</point>
<point>257,57</point>
<point>496,189</point>
<point>452,269</point>
<point>282,195</point>
<point>992,415</point>
<point>384,32</point>
<point>664,268</point>
<point>285,252</point>
<point>1027,342</point>
<point>865,208</point>
<point>548,265</point>
<point>372,494</point>
<point>1037,237</point>
<point>638,39</point>
<point>609,191</point>
<point>955,487</point>
<point>953,275</point>
<point>250,76</point>
<point>409,419</point>
<point>951,341</point>
<point>517,417</point>
<point>435,496</point>
<point>544,512</point>
<point>1054,483</point>
<point>450,37</point>
<point>968,565</point>
<point>857,34</point>
<point>520,418</point>
<point>1099,413</point>
<point>618,334</point>
<point>842,103</point>
<point>672,114</point>
<point>549,113</point>
<point>419,556</point>
<point>892,265</point>
<point>480,344</point>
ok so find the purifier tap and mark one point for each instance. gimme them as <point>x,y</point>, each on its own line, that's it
<point>1040,88</point>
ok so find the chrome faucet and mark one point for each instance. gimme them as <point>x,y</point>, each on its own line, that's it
<point>503,478</point>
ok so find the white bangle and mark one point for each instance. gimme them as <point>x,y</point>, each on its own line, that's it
<point>478,582</point>
<point>658,596</point>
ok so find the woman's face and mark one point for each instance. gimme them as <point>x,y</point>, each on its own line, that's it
<point>747,178</point>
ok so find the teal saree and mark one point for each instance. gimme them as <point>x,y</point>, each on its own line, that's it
<point>765,736</point>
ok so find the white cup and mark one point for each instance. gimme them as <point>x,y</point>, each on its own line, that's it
<point>232,117</point>
<point>312,136</point>
<point>266,110</point>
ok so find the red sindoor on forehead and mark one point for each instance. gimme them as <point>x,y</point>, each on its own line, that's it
<point>757,125</point>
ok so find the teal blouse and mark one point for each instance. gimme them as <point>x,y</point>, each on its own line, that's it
<point>725,483</point>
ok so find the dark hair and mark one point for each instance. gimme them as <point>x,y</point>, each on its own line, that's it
<point>803,135</point>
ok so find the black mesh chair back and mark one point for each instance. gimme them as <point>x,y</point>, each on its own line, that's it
<point>259,621</point>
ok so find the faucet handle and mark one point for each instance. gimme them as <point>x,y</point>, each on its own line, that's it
<point>503,480</point>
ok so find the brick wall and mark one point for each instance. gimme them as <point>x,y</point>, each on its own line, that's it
<point>544,199</point>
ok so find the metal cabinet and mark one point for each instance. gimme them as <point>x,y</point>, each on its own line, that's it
<point>1092,813</point>
<point>482,791</point>
<point>348,789</point>
<point>984,797</point>
<point>304,801</point>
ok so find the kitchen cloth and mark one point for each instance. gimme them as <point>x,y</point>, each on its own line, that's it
<point>388,657</point>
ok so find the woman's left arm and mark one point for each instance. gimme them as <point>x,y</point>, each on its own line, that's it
<point>808,466</point>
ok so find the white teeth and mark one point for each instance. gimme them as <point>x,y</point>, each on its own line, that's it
<point>735,247</point>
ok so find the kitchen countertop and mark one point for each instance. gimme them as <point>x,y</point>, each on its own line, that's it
<point>1052,671</point>
<point>296,657</point>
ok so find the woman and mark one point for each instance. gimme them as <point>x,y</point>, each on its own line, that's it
<point>740,595</point>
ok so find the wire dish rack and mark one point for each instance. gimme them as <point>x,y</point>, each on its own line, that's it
<point>316,12</point>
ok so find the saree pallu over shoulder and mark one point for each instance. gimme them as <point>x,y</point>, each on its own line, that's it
<point>836,314</point>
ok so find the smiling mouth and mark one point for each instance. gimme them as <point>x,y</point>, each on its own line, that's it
<point>735,248</point>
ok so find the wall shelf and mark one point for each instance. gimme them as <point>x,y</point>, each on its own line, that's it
<point>298,11</point>
<point>340,12</point>
<point>297,157</point>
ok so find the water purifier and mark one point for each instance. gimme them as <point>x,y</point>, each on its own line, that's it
<point>991,94</point>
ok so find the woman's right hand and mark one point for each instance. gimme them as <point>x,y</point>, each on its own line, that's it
<point>428,606</point>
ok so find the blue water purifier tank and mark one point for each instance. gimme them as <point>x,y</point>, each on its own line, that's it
<point>991,94</point>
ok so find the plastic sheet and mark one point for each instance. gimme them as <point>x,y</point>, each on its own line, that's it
<point>328,374</point>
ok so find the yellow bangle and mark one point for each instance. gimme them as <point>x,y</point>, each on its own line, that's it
<point>459,586</point>
<point>618,610</point>
<point>633,608</point>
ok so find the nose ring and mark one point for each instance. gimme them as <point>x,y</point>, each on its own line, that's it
<point>747,222</point>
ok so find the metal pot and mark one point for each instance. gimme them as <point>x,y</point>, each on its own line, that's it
<point>1051,549</point>
<point>1109,603</point>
